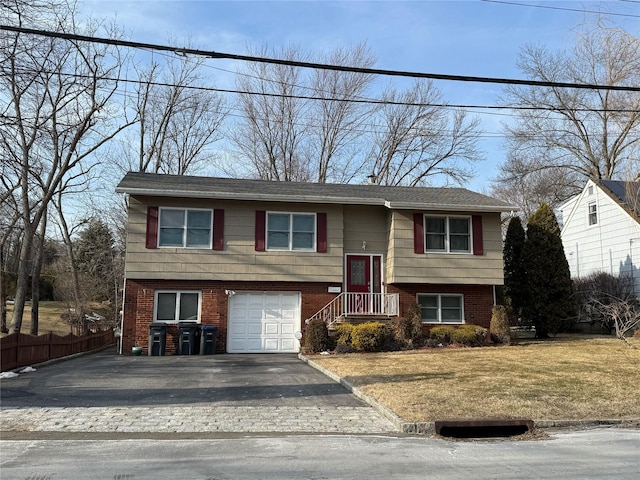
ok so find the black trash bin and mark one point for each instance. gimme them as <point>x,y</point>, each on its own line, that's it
<point>208,336</point>
<point>187,335</point>
<point>157,339</point>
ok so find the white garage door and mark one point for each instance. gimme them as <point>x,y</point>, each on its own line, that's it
<point>263,322</point>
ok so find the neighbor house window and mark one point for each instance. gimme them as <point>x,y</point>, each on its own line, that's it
<point>593,214</point>
<point>181,227</point>
<point>438,308</point>
<point>291,231</point>
<point>177,306</point>
<point>448,234</point>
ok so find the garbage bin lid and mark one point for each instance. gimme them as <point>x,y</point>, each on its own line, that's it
<point>209,327</point>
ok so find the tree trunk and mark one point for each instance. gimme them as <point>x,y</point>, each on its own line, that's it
<point>22,283</point>
<point>35,278</point>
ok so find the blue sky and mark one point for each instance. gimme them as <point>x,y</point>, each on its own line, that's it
<point>450,37</point>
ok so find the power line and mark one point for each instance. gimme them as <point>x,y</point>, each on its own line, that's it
<point>370,101</point>
<point>322,66</point>
<point>549,7</point>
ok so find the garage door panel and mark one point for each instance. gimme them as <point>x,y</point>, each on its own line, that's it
<point>264,322</point>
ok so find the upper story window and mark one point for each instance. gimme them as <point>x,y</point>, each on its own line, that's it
<point>182,227</point>
<point>593,214</point>
<point>177,306</point>
<point>441,308</point>
<point>291,231</point>
<point>448,234</point>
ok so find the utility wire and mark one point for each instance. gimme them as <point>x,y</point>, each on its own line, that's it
<point>371,101</point>
<point>549,7</point>
<point>322,66</point>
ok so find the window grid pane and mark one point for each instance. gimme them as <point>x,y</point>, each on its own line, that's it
<point>441,308</point>
<point>286,231</point>
<point>166,308</point>
<point>188,306</point>
<point>185,228</point>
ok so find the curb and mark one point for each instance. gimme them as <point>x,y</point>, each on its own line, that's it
<point>428,428</point>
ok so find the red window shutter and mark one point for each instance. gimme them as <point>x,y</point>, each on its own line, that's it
<point>476,226</point>
<point>261,225</point>
<point>418,233</point>
<point>152,227</point>
<point>218,229</point>
<point>321,220</point>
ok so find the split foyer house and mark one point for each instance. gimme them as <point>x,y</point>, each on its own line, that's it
<point>259,258</point>
<point>601,230</point>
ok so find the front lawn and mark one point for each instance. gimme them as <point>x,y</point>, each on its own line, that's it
<point>566,378</point>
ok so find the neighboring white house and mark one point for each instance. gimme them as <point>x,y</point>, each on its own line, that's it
<point>601,230</point>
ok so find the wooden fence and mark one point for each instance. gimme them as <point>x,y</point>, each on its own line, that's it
<point>19,349</point>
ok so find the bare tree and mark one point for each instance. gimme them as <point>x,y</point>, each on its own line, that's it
<point>624,314</point>
<point>420,139</point>
<point>58,110</point>
<point>179,119</point>
<point>274,124</point>
<point>578,134</point>
<point>338,120</point>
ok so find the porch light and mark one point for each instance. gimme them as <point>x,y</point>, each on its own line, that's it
<point>364,245</point>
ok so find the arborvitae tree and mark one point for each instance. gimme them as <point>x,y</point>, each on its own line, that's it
<point>550,305</point>
<point>96,256</point>
<point>515,281</point>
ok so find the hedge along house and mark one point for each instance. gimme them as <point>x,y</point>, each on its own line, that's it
<point>259,258</point>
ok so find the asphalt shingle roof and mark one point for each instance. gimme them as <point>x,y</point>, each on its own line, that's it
<point>263,190</point>
<point>626,193</point>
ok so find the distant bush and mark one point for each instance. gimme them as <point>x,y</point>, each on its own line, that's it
<point>316,336</point>
<point>499,328</point>
<point>441,333</point>
<point>466,334</point>
<point>470,335</point>
<point>370,336</point>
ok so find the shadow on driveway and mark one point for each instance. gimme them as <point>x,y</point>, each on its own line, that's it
<point>107,379</point>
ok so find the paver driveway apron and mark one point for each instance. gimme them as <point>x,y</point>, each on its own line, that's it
<point>104,392</point>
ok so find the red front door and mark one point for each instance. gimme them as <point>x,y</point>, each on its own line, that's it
<point>359,273</point>
<point>364,282</point>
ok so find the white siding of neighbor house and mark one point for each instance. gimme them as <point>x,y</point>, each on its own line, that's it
<point>612,245</point>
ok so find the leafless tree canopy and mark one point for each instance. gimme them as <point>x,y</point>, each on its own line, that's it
<point>419,139</point>
<point>571,135</point>
<point>409,139</point>
<point>177,122</point>
<point>57,111</point>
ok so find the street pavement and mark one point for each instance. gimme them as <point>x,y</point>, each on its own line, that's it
<point>107,393</point>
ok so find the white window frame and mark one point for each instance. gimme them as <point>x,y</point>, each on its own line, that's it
<point>439,296</point>
<point>590,212</point>
<point>290,248</point>
<point>185,227</point>
<point>447,234</point>
<point>178,294</point>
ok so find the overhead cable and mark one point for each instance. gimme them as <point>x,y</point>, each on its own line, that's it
<point>321,66</point>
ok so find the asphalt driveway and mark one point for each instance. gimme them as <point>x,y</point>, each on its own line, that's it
<point>106,379</point>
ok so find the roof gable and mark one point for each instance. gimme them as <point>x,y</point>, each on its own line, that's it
<point>625,194</point>
<point>432,198</point>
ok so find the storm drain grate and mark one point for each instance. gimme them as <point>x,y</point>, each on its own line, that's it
<point>483,428</point>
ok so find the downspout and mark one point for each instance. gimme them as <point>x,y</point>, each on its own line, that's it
<point>124,295</point>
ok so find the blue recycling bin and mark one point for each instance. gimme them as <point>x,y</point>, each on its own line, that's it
<point>208,335</point>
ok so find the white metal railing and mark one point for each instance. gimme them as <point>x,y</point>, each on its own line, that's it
<point>353,303</point>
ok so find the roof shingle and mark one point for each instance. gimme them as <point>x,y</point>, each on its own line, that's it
<point>263,190</point>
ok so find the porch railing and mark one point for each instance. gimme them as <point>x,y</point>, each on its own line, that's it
<point>353,304</point>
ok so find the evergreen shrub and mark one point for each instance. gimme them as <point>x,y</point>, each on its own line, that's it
<point>370,336</point>
<point>442,333</point>
<point>470,335</point>
<point>499,328</point>
<point>316,336</point>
